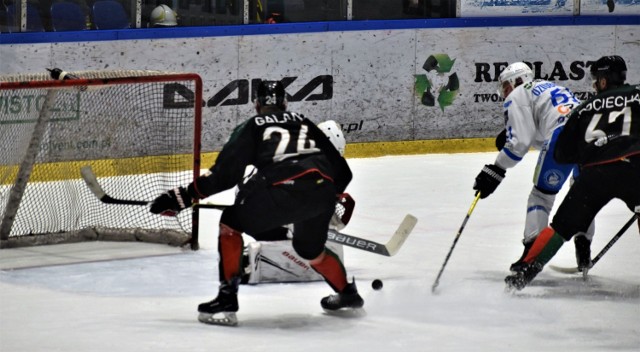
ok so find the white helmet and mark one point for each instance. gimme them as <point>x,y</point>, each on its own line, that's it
<point>333,131</point>
<point>163,16</point>
<point>516,74</point>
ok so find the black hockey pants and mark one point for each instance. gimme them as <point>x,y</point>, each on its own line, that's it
<point>307,202</point>
<point>596,186</point>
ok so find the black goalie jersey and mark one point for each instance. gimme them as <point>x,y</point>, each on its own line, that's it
<point>604,129</point>
<point>282,146</point>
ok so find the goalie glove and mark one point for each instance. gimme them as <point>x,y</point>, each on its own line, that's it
<point>171,202</point>
<point>344,209</point>
<point>488,180</point>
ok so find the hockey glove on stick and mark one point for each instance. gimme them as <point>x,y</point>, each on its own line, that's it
<point>171,202</point>
<point>488,179</point>
<point>344,209</point>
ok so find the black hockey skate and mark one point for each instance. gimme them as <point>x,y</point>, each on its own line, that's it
<point>583,253</point>
<point>523,277</point>
<point>519,264</point>
<point>222,310</point>
<point>346,301</point>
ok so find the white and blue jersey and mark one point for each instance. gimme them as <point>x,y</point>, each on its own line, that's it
<point>533,114</point>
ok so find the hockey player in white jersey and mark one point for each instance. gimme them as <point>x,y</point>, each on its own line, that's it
<point>534,113</point>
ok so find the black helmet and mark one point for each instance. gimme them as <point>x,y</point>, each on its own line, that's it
<point>271,93</point>
<point>612,68</point>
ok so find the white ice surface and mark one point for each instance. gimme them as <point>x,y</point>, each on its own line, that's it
<point>146,300</point>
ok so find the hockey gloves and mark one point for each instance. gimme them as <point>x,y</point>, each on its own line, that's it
<point>488,179</point>
<point>171,202</point>
<point>342,214</point>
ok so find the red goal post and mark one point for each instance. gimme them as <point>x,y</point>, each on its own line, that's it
<point>140,131</point>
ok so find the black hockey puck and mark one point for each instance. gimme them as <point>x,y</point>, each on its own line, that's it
<point>376,284</point>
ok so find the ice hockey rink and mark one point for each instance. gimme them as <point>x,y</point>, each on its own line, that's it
<point>106,296</point>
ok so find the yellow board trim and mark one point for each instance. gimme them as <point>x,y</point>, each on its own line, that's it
<point>437,146</point>
<point>151,164</point>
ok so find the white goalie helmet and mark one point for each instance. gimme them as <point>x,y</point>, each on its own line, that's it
<point>333,131</point>
<point>515,74</point>
<point>163,16</point>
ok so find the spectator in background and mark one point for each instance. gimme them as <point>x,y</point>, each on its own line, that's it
<point>163,16</point>
<point>275,17</point>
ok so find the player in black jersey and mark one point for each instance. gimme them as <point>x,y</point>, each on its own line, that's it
<point>602,135</point>
<point>299,174</point>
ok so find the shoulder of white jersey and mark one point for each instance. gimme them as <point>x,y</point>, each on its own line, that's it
<point>519,95</point>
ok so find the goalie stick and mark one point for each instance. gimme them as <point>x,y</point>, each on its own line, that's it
<point>388,249</point>
<point>616,237</point>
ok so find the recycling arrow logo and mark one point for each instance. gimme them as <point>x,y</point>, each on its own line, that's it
<point>425,88</point>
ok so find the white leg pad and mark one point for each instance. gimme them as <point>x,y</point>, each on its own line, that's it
<point>276,261</point>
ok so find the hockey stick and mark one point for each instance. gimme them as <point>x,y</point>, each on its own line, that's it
<point>466,218</point>
<point>92,182</point>
<point>388,249</point>
<point>616,237</point>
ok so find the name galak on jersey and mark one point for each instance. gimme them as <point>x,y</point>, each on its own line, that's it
<point>241,91</point>
<point>283,118</point>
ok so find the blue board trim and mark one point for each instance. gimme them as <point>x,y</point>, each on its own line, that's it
<point>313,27</point>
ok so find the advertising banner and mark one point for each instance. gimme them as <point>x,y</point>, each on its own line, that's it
<point>382,85</point>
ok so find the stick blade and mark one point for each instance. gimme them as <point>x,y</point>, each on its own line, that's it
<point>92,182</point>
<point>401,234</point>
<point>564,270</point>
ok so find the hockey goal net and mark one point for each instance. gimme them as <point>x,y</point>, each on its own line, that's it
<point>139,131</point>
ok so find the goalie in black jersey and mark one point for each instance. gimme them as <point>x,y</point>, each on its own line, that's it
<point>300,172</point>
<point>602,135</point>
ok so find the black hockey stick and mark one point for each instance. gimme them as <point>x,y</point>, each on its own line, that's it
<point>464,223</point>
<point>604,250</point>
<point>389,249</point>
<point>92,182</point>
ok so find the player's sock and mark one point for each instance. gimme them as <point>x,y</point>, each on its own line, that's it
<point>331,269</point>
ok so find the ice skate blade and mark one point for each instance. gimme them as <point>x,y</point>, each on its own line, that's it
<point>347,312</point>
<point>222,318</point>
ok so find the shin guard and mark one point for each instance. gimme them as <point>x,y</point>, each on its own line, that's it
<point>331,269</point>
<point>230,246</point>
<point>545,246</point>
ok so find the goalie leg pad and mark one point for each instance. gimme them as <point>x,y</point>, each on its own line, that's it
<point>277,261</point>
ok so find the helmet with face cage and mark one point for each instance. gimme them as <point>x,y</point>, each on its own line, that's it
<point>515,74</point>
